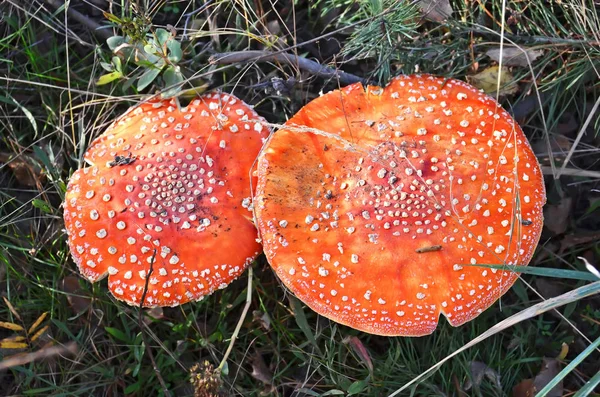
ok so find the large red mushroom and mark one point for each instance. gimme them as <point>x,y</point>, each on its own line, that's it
<point>374,204</point>
<point>164,207</point>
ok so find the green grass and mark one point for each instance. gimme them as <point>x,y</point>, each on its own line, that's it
<point>50,109</point>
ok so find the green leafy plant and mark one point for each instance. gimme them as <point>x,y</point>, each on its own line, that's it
<point>155,53</point>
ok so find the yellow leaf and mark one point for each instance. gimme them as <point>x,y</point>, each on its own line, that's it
<point>109,77</point>
<point>14,339</point>
<point>39,333</point>
<point>37,322</point>
<point>11,326</point>
<point>12,345</point>
<point>564,350</point>
<point>487,80</point>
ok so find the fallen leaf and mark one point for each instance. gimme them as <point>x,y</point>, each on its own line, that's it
<point>549,288</point>
<point>479,371</point>
<point>550,368</point>
<point>529,387</point>
<point>556,216</point>
<point>11,326</point>
<point>25,169</point>
<point>262,318</point>
<point>524,389</point>
<point>360,350</point>
<point>12,309</point>
<point>487,80</point>
<point>513,56</point>
<point>260,371</point>
<point>76,296</point>
<point>435,10</point>
<point>37,323</point>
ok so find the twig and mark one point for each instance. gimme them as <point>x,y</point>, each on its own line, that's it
<point>579,136</point>
<point>241,320</point>
<point>572,172</point>
<point>22,359</point>
<point>97,29</point>
<point>141,325</point>
<point>289,59</point>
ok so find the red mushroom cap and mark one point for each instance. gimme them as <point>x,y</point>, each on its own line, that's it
<point>167,187</point>
<point>371,204</point>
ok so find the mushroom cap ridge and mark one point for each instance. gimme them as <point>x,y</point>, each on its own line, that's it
<point>371,203</point>
<point>171,186</point>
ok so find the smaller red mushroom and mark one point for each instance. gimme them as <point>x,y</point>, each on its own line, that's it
<point>165,202</point>
<point>372,203</point>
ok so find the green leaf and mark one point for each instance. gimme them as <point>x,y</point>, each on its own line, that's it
<point>147,78</point>
<point>107,66</point>
<point>543,271</point>
<point>42,205</point>
<point>117,64</point>
<point>333,392</point>
<point>175,52</point>
<point>357,387</point>
<point>118,334</point>
<point>150,49</point>
<point>133,388</point>
<point>173,79</point>
<point>115,41</point>
<point>172,76</point>
<point>162,36</point>
<point>109,78</point>
<point>225,369</point>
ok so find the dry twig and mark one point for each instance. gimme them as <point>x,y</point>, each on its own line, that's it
<point>48,352</point>
<point>310,66</point>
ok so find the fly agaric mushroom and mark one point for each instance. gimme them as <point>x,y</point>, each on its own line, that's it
<point>371,203</point>
<point>167,191</point>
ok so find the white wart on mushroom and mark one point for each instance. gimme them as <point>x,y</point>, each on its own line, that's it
<point>167,186</point>
<point>375,230</point>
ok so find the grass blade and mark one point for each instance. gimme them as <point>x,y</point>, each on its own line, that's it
<point>589,387</point>
<point>542,307</point>
<point>543,271</point>
<point>566,370</point>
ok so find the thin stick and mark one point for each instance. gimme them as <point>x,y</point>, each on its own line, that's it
<point>313,67</point>
<point>48,352</point>
<point>141,325</point>
<point>241,320</point>
<point>579,136</point>
<point>98,30</point>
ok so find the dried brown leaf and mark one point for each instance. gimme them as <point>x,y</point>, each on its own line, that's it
<point>260,371</point>
<point>360,350</point>
<point>479,371</point>
<point>435,10</point>
<point>556,216</point>
<point>262,318</point>
<point>25,169</point>
<point>12,309</point>
<point>529,387</point>
<point>76,296</point>
<point>512,56</point>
